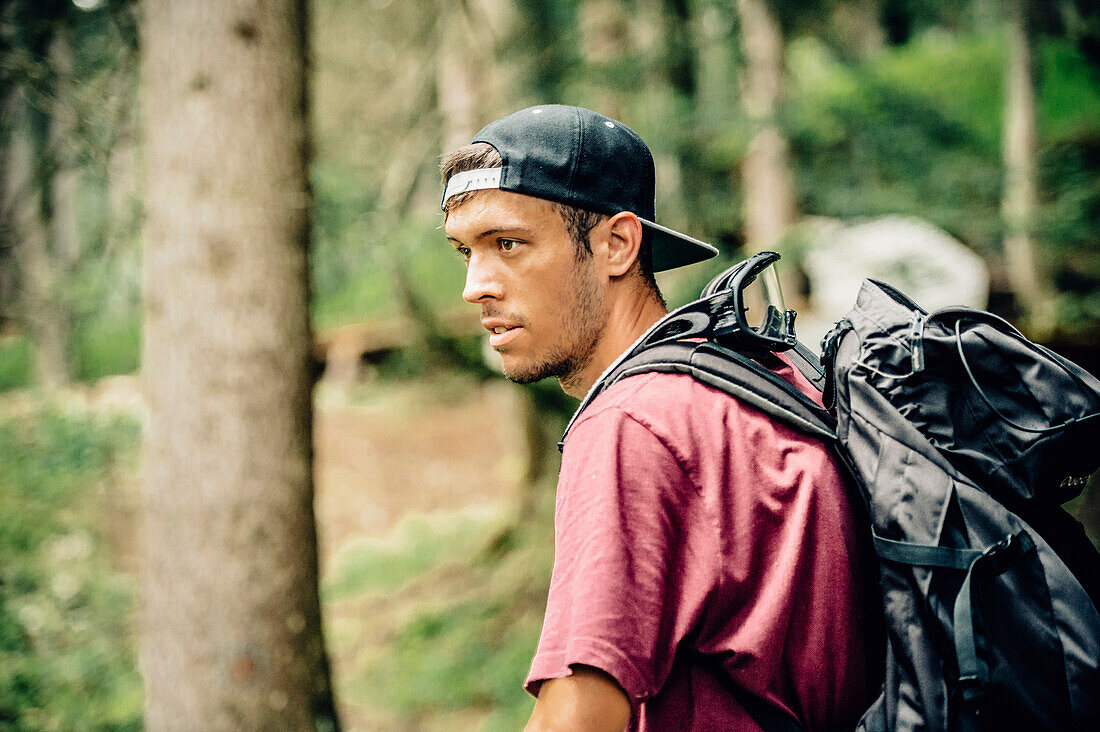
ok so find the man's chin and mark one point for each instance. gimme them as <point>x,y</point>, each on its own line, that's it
<point>524,377</point>
<point>526,373</point>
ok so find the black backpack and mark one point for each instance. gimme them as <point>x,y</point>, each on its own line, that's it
<point>962,439</point>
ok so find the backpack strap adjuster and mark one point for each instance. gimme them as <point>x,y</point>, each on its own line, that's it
<point>973,671</point>
<point>830,344</point>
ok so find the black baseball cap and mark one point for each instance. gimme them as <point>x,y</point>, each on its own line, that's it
<point>579,157</point>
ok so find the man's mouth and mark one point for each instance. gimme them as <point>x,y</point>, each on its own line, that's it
<point>501,334</point>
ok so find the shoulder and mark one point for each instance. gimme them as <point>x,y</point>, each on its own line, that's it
<point>670,406</point>
<point>650,413</point>
<point>653,400</point>
<point>698,425</point>
<point>653,395</point>
<point>674,399</point>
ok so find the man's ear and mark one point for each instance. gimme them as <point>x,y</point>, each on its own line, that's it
<point>624,242</point>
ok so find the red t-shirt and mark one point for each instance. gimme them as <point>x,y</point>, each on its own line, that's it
<point>687,522</point>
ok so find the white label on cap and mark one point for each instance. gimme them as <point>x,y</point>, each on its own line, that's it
<point>472,180</point>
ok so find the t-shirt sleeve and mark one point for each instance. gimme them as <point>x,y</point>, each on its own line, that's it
<point>631,570</point>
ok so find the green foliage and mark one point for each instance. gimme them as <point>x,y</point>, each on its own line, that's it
<point>959,76</point>
<point>555,56</point>
<point>1070,98</point>
<point>347,276</point>
<point>15,362</point>
<point>433,266</point>
<point>919,132</point>
<point>96,274</point>
<point>419,544</point>
<point>105,347</point>
<point>1070,181</point>
<point>471,639</point>
<point>66,655</point>
<point>1070,173</point>
<point>890,138</point>
<point>364,284</point>
<point>470,655</point>
<point>356,252</point>
<point>102,346</point>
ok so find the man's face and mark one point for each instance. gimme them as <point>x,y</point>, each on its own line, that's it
<point>544,307</point>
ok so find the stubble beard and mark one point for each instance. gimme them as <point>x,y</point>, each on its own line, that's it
<point>580,333</point>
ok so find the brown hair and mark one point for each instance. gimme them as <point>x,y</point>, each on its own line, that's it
<point>578,221</point>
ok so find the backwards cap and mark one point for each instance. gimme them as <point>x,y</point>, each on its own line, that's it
<point>580,158</point>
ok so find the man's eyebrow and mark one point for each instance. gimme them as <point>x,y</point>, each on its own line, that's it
<point>522,230</point>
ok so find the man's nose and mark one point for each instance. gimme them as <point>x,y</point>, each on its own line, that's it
<point>483,281</point>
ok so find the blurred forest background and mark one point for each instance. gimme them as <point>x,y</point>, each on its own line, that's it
<point>433,476</point>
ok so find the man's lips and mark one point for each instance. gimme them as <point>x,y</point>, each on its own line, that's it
<point>500,331</point>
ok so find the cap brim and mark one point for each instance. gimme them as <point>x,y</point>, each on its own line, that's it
<point>671,249</point>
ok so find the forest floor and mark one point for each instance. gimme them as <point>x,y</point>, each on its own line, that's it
<point>413,479</point>
<point>394,449</point>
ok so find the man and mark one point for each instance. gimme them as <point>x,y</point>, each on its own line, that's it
<point>705,559</point>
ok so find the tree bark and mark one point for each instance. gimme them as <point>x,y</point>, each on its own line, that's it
<point>681,70</point>
<point>231,630</point>
<point>40,303</point>
<point>455,79</point>
<point>605,33</point>
<point>1025,277</point>
<point>65,180</point>
<point>123,197</point>
<point>860,28</point>
<point>766,172</point>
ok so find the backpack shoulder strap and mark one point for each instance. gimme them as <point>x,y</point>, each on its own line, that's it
<point>729,371</point>
<point>808,364</point>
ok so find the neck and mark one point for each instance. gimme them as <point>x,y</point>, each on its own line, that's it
<point>628,318</point>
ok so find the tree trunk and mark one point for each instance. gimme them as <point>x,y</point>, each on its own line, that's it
<point>1025,278</point>
<point>455,79</point>
<point>123,200</point>
<point>681,72</point>
<point>40,306</point>
<point>859,26</point>
<point>65,181</point>
<point>467,84</point>
<point>605,33</point>
<point>544,37</point>
<point>766,174</point>
<point>231,630</point>
<point>766,169</point>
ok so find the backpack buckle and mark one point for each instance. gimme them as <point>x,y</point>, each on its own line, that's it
<point>830,344</point>
<point>970,693</point>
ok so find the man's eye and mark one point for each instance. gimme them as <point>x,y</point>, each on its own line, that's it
<point>462,252</point>
<point>508,245</point>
